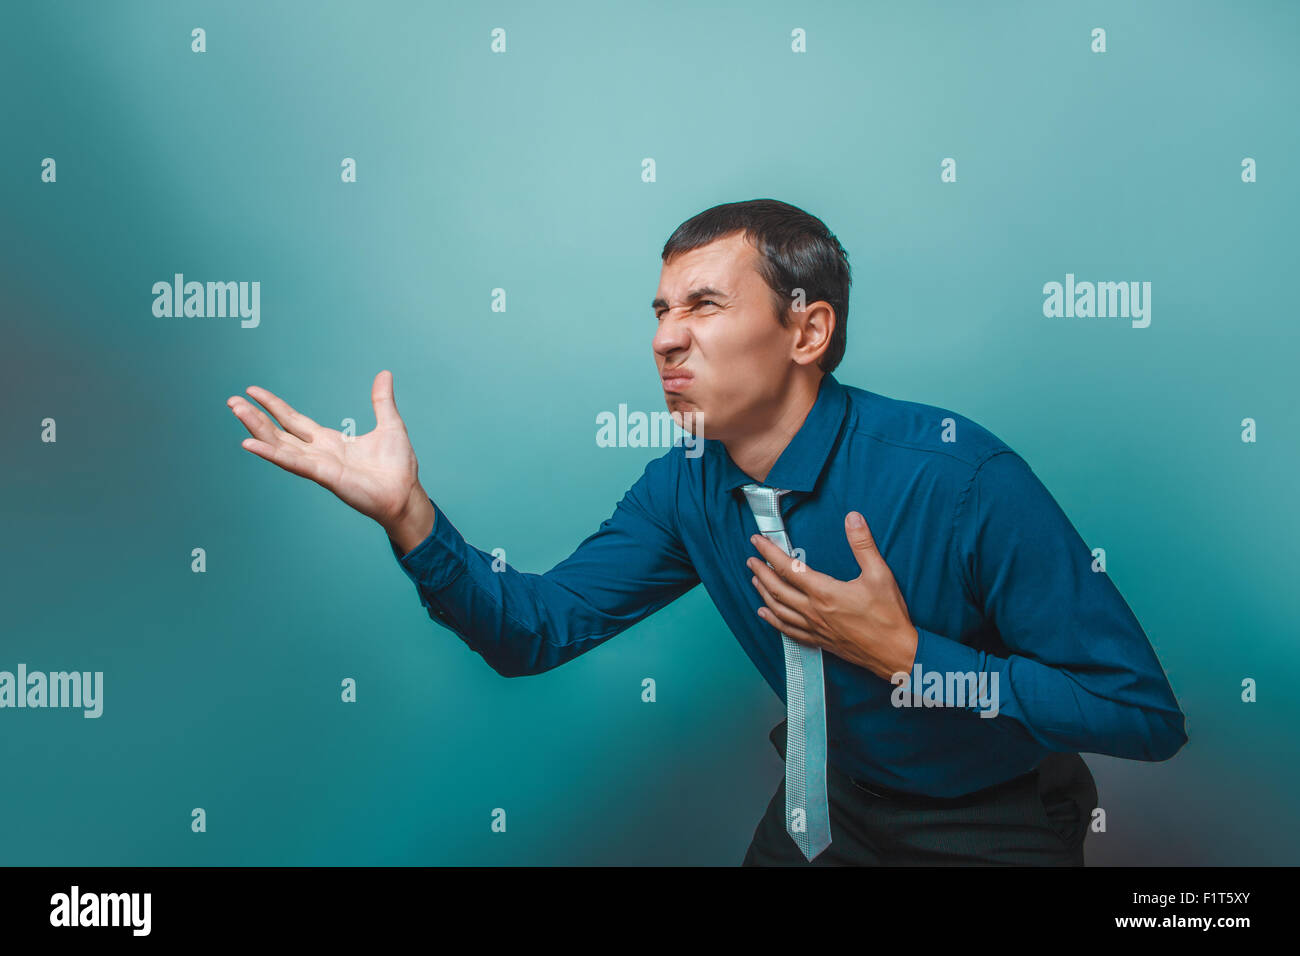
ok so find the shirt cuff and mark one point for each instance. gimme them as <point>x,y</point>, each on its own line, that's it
<point>936,654</point>
<point>439,559</point>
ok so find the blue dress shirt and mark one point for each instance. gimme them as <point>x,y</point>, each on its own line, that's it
<point>996,580</point>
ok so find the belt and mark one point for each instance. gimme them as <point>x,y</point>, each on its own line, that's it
<point>902,798</point>
<point>925,800</point>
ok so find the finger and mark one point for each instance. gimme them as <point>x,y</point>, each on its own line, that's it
<point>293,422</point>
<point>800,575</point>
<point>795,633</point>
<point>787,593</point>
<point>259,425</point>
<point>786,614</point>
<point>385,405</point>
<point>285,456</point>
<point>861,540</point>
<point>771,552</point>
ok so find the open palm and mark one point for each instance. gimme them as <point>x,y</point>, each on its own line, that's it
<point>373,473</point>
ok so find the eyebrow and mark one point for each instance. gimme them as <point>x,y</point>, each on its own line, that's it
<point>704,292</point>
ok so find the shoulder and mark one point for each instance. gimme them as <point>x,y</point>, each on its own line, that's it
<point>929,435</point>
<point>656,488</point>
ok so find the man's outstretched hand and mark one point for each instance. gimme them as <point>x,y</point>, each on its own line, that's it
<point>375,473</point>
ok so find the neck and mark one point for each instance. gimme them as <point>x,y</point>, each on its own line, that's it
<point>755,453</point>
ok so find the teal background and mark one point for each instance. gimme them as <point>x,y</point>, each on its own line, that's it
<point>522,171</point>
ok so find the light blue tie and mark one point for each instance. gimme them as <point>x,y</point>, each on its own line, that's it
<point>807,813</point>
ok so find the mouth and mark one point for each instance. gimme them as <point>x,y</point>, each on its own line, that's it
<point>676,381</point>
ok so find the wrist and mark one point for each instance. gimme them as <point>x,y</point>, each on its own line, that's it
<point>903,655</point>
<point>414,523</point>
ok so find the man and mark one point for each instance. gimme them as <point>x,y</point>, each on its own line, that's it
<point>903,581</point>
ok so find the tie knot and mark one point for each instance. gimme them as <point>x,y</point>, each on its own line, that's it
<point>763,500</point>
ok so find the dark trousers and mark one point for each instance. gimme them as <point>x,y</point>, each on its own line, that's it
<point>1038,819</point>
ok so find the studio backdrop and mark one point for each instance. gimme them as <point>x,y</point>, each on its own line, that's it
<point>475,197</point>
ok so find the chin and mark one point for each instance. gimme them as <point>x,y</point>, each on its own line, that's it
<point>684,413</point>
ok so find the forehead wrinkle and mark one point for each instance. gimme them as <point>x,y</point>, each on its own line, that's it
<point>720,269</point>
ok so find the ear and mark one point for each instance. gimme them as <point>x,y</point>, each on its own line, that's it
<point>816,325</point>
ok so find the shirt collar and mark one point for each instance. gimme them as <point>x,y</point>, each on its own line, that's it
<point>801,463</point>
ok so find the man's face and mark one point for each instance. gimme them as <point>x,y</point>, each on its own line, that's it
<point>718,327</point>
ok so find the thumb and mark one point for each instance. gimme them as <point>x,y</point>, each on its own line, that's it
<point>381,397</point>
<point>861,541</point>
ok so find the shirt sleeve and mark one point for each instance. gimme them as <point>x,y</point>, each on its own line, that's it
<point>523,623</point>
<point>1082,675</point>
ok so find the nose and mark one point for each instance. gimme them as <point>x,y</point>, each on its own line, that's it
<point>672,334</point>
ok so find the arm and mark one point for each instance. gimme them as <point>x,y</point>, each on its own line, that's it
<point>523,623</point>
<point>630,567</point>
<point>1082,675</point>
